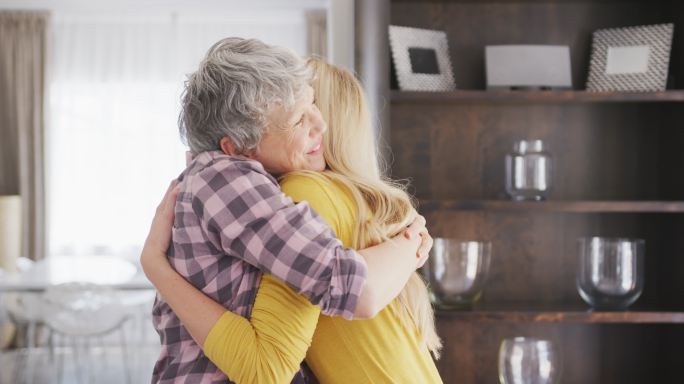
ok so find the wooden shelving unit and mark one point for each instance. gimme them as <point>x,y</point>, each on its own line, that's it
<point>430,206</point>
<point>618,163</point>
<point>563,316</point>
<point>514,97</point>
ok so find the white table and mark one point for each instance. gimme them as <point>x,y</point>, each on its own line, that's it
<point>102,270</point>
<point>105,271</point>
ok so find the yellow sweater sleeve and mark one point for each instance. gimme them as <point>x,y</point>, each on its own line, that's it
<point>269,347</point>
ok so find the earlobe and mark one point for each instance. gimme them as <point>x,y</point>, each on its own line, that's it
<point>250,154</point>
<point>227,146</point>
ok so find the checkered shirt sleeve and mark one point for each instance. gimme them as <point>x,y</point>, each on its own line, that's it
<point>246,215</point>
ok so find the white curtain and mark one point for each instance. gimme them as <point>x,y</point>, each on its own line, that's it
<point>114,85</point>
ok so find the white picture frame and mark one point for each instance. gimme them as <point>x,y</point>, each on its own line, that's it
<point>631,59</point>
<point>421,59</point>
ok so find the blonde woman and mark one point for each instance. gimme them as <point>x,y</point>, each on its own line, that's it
<point>363,208</point>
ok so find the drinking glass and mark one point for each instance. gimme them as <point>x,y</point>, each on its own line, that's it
<point>610,271</point>
<point>525,360</point>
<point>457,271</point>
<point>528,171</point>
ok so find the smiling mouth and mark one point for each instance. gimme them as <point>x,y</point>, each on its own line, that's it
<point>315,149</point>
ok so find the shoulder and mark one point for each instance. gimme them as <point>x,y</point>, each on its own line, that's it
<point>324,196</point>
<point>310,186</point>
<point>214,172</point>
<point>226,187</point>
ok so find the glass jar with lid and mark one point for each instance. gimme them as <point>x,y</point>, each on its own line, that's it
<point>528,171</point>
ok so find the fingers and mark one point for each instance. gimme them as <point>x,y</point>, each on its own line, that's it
<point>171,199</point>
<point>418,229</point>
<point>171,190</point>
<point>426,244</point>
<point>159,237</point>
<point>168,203</point>
<point>415,228</point>
<point>162,223</point>
<point>424,249</point>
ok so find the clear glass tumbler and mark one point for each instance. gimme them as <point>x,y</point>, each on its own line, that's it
<point>528,171</point>
<point>610,271</point>
<point>525,360</point>
<point>457,271</point>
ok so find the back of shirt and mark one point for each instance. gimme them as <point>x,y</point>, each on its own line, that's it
<point>196,255</point>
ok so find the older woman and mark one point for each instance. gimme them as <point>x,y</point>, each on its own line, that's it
<point>248,112</point>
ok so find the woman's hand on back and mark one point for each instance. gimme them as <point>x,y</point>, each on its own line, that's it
<point>390,265</point>
<point>415,229</point>
<point>158,240</point>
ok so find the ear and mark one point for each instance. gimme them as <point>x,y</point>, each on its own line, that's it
<point>227,146</point>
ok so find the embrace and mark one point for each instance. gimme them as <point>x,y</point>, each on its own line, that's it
<point>282,253</point>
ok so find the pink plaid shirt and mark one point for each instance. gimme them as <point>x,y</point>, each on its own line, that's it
<point>233,222</point>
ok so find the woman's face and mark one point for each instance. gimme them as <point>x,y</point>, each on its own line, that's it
<point>294,138</point>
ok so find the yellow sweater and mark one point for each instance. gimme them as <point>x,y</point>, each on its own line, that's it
<point>379,350</point>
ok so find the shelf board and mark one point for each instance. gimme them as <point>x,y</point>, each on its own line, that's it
<point>516,97</point>
<point>506,1</point>
<point>427,206</point>
<point>571,316</point>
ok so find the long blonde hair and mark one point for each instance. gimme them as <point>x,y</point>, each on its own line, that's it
<point>383,206</point>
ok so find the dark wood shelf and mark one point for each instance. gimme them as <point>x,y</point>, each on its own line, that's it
<point>567,316</point>
<point>622,157</point>
<point>428,206</point>
<point>516,97</point>
<point>508,1</point>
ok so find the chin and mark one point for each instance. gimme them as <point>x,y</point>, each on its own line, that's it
<point>315,168</point>
<point>316,164</point>
<point>320,166</point>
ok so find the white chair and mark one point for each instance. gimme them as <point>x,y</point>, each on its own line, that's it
<point>6,326</point>
<point>24,264</point>
<point>7,331</point>
<point>80,312</point>
<point>23,310</point>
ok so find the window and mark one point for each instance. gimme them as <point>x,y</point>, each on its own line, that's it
<point>114,88</point>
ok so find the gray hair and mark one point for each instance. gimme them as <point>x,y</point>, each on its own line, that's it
<point>236,86</point>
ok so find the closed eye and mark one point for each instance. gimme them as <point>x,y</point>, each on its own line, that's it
<point>301,120</point>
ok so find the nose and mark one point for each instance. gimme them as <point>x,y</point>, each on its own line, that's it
<point>318,125</point>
